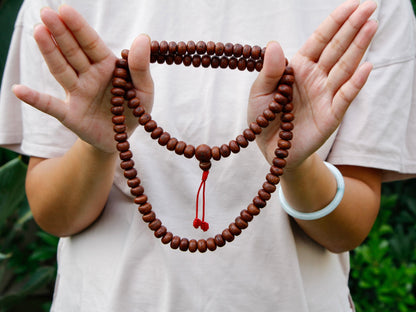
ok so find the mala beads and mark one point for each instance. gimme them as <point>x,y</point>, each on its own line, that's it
<point>181,53</point>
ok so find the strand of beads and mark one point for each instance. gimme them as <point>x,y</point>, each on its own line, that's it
<point>206,54</point>
<point>123,90</point>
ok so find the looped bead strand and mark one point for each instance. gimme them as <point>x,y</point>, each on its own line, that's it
<point>184,53</point>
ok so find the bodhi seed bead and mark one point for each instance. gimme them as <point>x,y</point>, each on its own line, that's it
<point>241,223</point>
<point>155,225</point>
<point>149,217</point>
<point>180,147</point>
<point>227,235</point>
<point>202,245</point>
<point>164,139</point>
<point>234,229</point>
<point>175,242</point>
<point>156,133</point>
<point>193,245</point>
<point>246,216</point>
<point>130,173</point>
<point>225,150</point>
<point>171,145</point>
<point>210,47</point>
<point>191,47</point>
<point>219,240</point>
<point>163,47</point>
<point>181,48</point>
<point>211,244</point>
<point>253,210</point>
<point>184,244</point>
<point>201,47</point>
<point>167,238</point>
<point>189,151</point>
<point>219,49</point>
<point>161,232</point>
<point>203,153</point>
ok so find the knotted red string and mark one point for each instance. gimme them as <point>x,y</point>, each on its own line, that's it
<point>198,222</point>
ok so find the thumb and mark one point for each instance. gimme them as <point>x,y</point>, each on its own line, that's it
<point>273,68</point>
<point>139,60</point>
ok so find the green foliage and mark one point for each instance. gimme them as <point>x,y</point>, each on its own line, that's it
<point>383,269</point>
<point>27,254</point>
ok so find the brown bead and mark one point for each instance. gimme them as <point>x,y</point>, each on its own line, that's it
<point>272,179</point>
<point>117,100</point>
<point>161,232</point>
<point>191,47</point>
<point>283,144</point>
<point>153,58</point>
<point>196,61</point>
<point>126,155</point>
<point>249,135</point>
<point>281,99</point>
<point>246,216</point>
<point>281,153</point>
<point>171,145</point>
<point>120,137</point>
<point>264,195</point>
<point>219,49</point>
<point>119,83</point>
<point>275,107</point>
<point>262,121</point>
<point>150,126</point>
<point>135,182</point>
<point>205,166</point>
<point>228,49</point>
<point>232,63</point>
<point>133,103</point>
<point>203,153</point>
<point>215,62</point>
<point>154,47</point>
<point>286,135</point>
<point>175,242</point>
<point>127,164</point>
<point>184,244</point>
<point>169,59</point>
<point>164,139</point>
<point>163,47</point>
<point>206,61</point>
<point>118,120</point>
<point>155,225</point>
<point>172,47</point>
<point>118,91</point>
<point>269,115</point>
<point>130,173</point>
<point>268,187</point>
<point>287,79</point>
<point>149,217</point>
<point>253,210</point>
<point>187,60</point>
<point>288,117</point>
<point>237,50</point>
<point>251,65</point>
<point>289,71</point>
<point>121,73</point>
<point>227,235</point>
<point>216,154</point>
<point>242,64</point>
<point>130,94</point>
<point>284,90</point>
<point>246,51</point>
<point>178,59</point>
<point>189,151</point>
<point>145,118</point>
<point>219,240</point>
<point>201,47</point>
<point>122,63</point>
<point>225,150</point>
<point>138,111</point>
<point>137,191</point>
<point>193,245</point>
<point>167,238</point>
<point>202,245</point>
<point>234,229</point>
<point>288,108</point>
<point>119,128</point>
<point>180,147</point>
<point>287,126</point>
<point>259,66</point>
<point>160,59</point>
<point>181,48</point>
<point>255,128</point>
<point>157,133</point>
<point>241,223</point>
<point>211,244</point>
<point>241,141</point>
<point>123,146</point>
<point>234,146</point>
<point>224,62</point>
<point>255,52</point>
<point>210,47</point>
<point>258,202</point>
<point>141,199</point>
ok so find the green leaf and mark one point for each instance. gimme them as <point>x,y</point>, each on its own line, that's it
<point>48,238</point>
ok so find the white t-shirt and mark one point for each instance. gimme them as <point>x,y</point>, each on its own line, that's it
<point>117,264</point>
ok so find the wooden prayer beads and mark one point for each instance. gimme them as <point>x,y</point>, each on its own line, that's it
<point>214,55</point>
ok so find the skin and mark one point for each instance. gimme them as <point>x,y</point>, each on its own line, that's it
<point>328,78</point>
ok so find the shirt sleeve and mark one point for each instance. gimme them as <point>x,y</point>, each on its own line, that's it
<point>379,128</point>
<point>22,127</point>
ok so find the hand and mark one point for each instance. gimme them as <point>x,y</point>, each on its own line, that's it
<point>328,77</point>
<point>83,65</point>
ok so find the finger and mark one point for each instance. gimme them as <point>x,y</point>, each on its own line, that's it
<point>65,41</point>
<point>88,39</point>
<point>57,64</point>
<point>273,68</point>
<point>41,101</point>
<point>317,42</point>
<point>348,63</point>
<point>345,36</point>
<point>347,93</point>
<point>139,61</point>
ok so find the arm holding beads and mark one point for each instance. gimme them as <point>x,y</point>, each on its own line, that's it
<point>328,77</point>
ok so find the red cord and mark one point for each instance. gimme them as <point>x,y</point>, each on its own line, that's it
<point>198,222</point>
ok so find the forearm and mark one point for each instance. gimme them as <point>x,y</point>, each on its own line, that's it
<point>68,193</point>
<point>311,186</point>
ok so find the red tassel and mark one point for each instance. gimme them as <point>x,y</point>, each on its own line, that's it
<point>198,222</point>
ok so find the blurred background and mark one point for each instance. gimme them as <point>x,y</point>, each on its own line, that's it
<point>383,268</point>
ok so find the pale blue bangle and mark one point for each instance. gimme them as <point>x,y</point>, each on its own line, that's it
<point>324,211</point>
